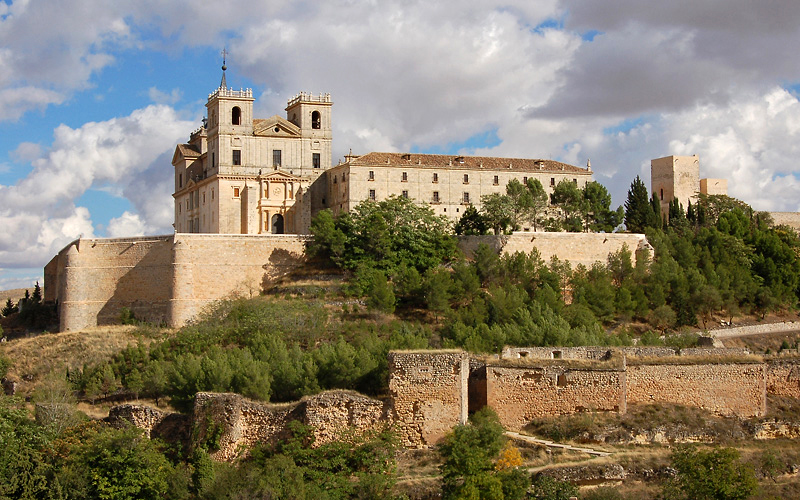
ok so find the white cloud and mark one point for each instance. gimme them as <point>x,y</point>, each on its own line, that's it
<point>132,153</point>
<point>127,224</point>
<point>160,97</point>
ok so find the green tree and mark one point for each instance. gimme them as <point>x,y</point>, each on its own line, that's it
<point>638,211</point>
<point>469,454</point>
<point>471,223</point>
<point>538,203</point>
<point>569,199</point>
<point>596,209</point>
<point>713,474</point>
<point>544,487</point>
<point>519,198</point>
<point>380,294</point>
<point>10,308</point>
<point>496,211</point>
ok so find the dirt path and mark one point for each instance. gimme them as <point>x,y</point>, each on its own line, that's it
<point>742,331</point>
<point>551,444</point>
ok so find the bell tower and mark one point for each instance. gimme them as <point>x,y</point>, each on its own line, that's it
<point>230,118</point>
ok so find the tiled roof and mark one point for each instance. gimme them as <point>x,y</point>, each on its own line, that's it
<point>188,150</point>
<point>466,162</point>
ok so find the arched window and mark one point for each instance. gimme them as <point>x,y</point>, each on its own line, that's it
<point>277,224</point>
<point>315,119</point>
<point>236,115</point>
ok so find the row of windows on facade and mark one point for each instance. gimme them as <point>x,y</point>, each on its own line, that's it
<point>496,180</point>
<point>434,199</point>
<point>276,158</point>
<point>236,118</point>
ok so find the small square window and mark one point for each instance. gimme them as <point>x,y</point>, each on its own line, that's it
<point>435,177</point>
<point>575,181</point>
<point>436,196</point>
<point>371,175</point>
<point>525,180</point>
<point>237,156</point>
<point>405,194</point>
<point>552,181</point>
<point>496,180</point>
<point>466,197</point>
<point>372,194</point>
<point>466,178</point>
<point>236,192</point>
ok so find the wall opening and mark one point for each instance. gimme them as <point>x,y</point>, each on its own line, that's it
<point>315,120</point>
<point>277,224</point>
<point>236,115</point>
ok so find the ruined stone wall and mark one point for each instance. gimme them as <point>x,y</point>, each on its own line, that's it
<point>577,248</point>
<point>163,279</point>
<point>783,377</point>
<point>726,388</point>
<point>520,393</point>
<point>235,423</point>
<point>429,393</point>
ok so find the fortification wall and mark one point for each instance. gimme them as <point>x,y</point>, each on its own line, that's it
<point>96,278</point>
<point>520,394</point>
<point>791,219</point>
<point>210,267</point>
<point>726,388</point>
<point>577,248</point>
<point>429,393</point>
<point>163,279</point>
<point>332,413</point>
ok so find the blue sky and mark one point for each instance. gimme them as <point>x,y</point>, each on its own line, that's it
<point>94,96</point>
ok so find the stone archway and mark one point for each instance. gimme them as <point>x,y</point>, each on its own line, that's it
<point>277,224</point>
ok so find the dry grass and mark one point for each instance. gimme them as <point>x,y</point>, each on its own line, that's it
<point>34,357</point>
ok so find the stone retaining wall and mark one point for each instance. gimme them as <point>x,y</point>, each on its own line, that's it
<point>724,388</point>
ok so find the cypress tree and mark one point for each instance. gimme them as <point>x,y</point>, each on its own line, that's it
<point>638,213</point>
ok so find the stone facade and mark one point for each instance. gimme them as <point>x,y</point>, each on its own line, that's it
<point>447,184</point>
<point>163,279</point>
<point>791,219</point>
<point>783,376</point>
<point>718,187</point>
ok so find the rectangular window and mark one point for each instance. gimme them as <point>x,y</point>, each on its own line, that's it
<point>372,194</point>
<point>466,197</point>
<point>315,160</point>
<point>212,194</point>
<point>180,180</point>
<point>276,157</point>
<point>436,196</point>
<point>552,181</point>
<point>404,178</point>
<point>204,197</point>
<point>237,156</point>
<point>236,192</point>
<point>196,199</point>
<point>405,194</point>
<point>435,177</point>
<point>525,180</point>
<point>496,180</point>
<point>466,178</point>
<point>575,181</point>
<point>372,175</point>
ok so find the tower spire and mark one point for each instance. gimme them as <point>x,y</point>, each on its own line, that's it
<point>224,84</point>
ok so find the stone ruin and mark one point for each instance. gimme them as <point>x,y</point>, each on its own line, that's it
<point>432,391</point>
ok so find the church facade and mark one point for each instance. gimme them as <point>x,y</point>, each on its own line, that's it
<point>242,175</point>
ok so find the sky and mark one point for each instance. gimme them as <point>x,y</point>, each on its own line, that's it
<point>94,95</point>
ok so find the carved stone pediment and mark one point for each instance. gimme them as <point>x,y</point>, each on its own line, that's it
<point>275,126</point>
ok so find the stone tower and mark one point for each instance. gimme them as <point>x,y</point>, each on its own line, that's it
<point>675,177</point>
